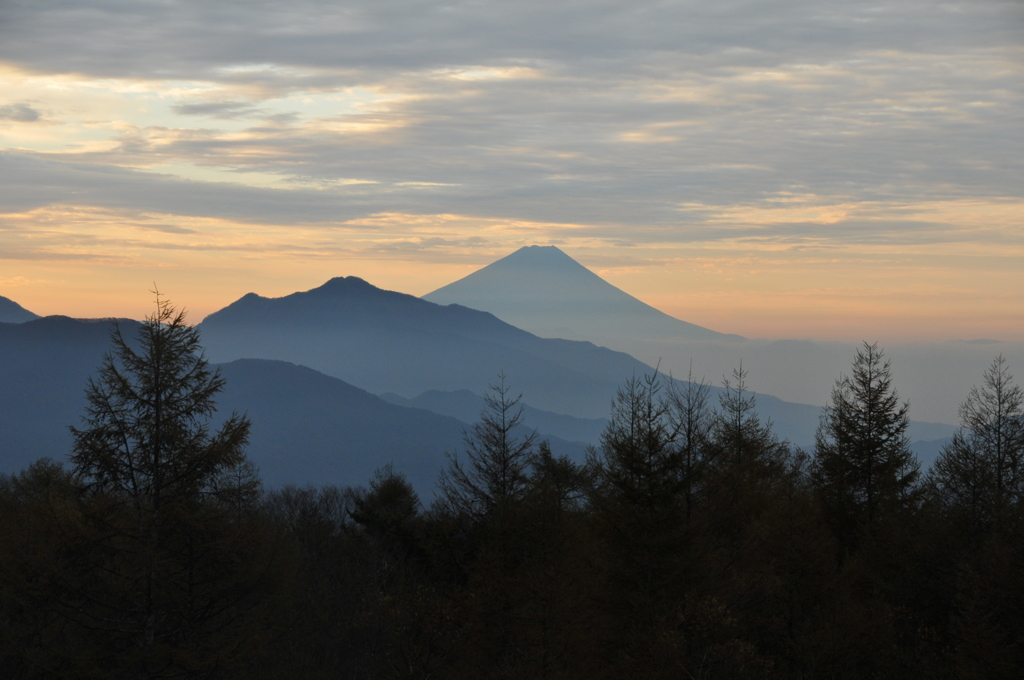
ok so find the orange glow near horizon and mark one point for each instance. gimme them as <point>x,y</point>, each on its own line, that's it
<point>93,263</point>
<point>802,189</point>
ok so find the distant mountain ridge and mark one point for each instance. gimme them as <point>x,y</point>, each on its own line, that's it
<point>544,291</point>
<point>467,406</point>
<point>12,312</point>
<point>312,428</point>
<point>307,428</point>
<point>385,341</point>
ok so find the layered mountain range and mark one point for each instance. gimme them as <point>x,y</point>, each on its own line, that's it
<point>544,291</point>
<point>308,367</point>
<point>307,427</point>
<point>386,341</point>
<point>389,342</point>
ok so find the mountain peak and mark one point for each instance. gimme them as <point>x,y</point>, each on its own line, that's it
<point>12,312</point>
<point>346,288</point>
<point>540,254</point>
<point>540,258</point>
<point>344,300</point>
<point>338,288</point>
<point>545,291</point>
<point>345,282</point>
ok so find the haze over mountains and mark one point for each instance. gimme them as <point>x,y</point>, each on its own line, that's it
<point>544,291</point>
<point>385,341</point>
<point>467,406</point>
<point>389,342</point>
<point>307,428</point>
<point>429,362</point>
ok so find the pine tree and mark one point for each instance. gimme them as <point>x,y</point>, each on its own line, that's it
<point>170,564</point>
<point>863,463</point>
<point>146,433</point>
<point>484,493</point>
<point>746,459</point>
<point>745,444</point>
<point>637,473</point>
<point>637,501</point>
<point>692,421</point>
<point>979,475</point>
<point>497,460</point>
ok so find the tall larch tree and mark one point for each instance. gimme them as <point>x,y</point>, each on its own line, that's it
<point>169,579</point>
<point>863,463</point>
<point>979,476</point>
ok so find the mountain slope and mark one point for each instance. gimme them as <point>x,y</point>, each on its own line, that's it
<point>307,428</point>
<point>12,312</point>
<point>466,406</point>
<point>44,365</point>
<point>385,341</point>
<point>543,290</point>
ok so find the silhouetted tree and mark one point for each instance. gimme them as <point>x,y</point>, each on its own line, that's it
<point>979,475</point>
<point>36,507</point>
<point>739,432</point>
<point>170,566</point>
<point>483,494</point>
<point>748,460</point>
<point>497,459</point>
<point>637,501</point>
<point>977,487</point>
<point>863,463</point>
<point>637,485</point>
<point>549,588</point>
<point>388,507</point>
<point>749,481</point>
<point>692,420</point>
<point>328,632</point>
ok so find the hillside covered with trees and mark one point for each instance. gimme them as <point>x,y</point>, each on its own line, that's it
<point>692,543</point>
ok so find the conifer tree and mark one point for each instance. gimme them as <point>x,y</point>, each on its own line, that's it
<point>746,457</point>
<point>388,507</point>
<point>170,560</point>
<point>692,421</point>
<point>744,443</point>
<point>637,502</point>
<point>495,469</point>
<point>979,475</point>
<point>485,493</point>
<point>637,460</point>
<point>863,463</point>
<point>146,433</point>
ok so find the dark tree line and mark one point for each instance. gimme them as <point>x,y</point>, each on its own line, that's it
<point>692,543</point>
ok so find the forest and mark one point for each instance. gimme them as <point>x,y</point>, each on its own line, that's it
<point>691,543</point>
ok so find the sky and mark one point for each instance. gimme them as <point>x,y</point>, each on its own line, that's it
<point>784,169</point>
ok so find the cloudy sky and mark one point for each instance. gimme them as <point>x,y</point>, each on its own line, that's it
<point>833,170</point>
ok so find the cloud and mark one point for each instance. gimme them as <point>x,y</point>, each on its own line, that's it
<point>216,109</point>
<point>22,113</point>
<point>235,40</point>
<point>746,127</point>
